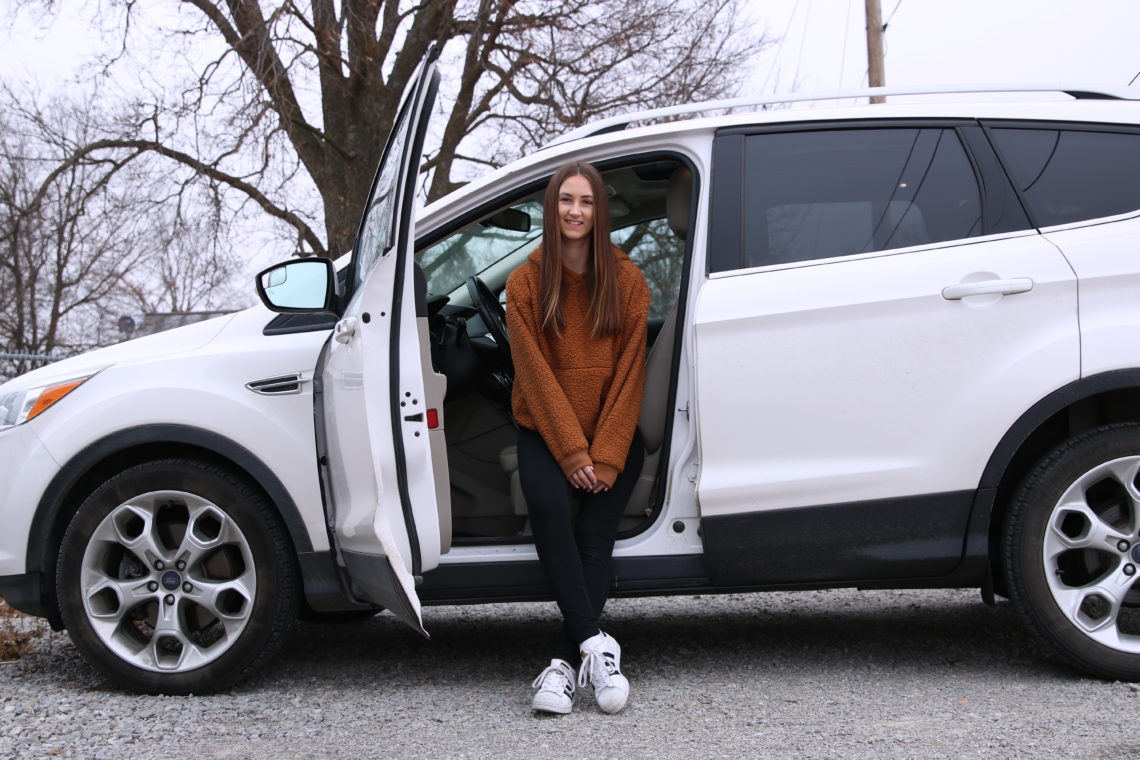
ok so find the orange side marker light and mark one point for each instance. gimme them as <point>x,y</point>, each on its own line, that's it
<point>51,395</point>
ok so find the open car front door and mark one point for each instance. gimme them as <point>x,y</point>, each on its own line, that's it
<point>382,406</point>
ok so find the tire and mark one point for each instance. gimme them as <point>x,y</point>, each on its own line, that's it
<point>177,577</point>
<point>1072,551</point>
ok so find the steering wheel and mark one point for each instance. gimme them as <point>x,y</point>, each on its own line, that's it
<point>492,314</point>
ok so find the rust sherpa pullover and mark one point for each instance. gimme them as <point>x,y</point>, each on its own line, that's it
<point>581,393</point>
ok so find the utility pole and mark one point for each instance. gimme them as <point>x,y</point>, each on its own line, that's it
<point>875,76</point>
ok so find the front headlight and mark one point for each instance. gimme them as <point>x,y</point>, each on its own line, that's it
<point>18,405</point>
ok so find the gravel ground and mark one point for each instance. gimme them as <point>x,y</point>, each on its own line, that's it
<point>842,674</point>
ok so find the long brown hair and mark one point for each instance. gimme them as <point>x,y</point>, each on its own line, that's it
<point>602,269</point>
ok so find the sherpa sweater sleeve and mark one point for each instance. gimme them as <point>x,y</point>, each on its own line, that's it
<point>622,406</point>
<point>545,401</point>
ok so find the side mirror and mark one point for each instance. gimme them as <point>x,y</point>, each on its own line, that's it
<point>299,285</point>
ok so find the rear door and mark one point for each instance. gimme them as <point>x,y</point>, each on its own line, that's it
<point>1079,183</point>
<point>876,319</point>
<point>382,405</point>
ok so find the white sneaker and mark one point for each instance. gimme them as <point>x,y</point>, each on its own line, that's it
<point>601,668</point>
<point>555,688</point>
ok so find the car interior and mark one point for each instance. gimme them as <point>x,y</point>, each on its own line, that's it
<point>465,273</point>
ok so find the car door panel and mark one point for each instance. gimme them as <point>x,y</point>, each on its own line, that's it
<point>835,382</point>
<point>880,294</point>
<point>384,505</point>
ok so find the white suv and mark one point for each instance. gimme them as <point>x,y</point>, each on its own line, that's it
<point>891,345</point>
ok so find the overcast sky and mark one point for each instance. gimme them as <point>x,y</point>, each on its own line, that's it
<point>927,42</point>
<point>950,42</point>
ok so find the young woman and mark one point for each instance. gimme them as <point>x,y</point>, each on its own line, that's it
<point>576,315</point>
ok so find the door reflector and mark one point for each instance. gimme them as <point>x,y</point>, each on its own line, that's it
<point>432,419</point>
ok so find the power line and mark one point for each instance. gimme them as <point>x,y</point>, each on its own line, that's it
<point>803,44</point>
<point>780,49</point>
<point>846,34</point>
<point>886,40</point>
<point>1134,78</point>
<point>888,21</point>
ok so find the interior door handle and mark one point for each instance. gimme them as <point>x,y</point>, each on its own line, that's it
<point>344,330</point>
<point>988,288</point>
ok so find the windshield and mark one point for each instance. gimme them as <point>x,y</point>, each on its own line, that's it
<point>474,248</point>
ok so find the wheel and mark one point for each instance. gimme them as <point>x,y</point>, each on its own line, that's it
<point>176,577</point>
<point>1072,550</point>
<point>493,315</point>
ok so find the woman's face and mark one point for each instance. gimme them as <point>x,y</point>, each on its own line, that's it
<point>575,208</point>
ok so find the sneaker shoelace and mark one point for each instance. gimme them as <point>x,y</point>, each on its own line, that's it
<point>561,676</point>
<point>597,667</point>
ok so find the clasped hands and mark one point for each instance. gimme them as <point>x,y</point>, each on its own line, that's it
<point>585,479</point>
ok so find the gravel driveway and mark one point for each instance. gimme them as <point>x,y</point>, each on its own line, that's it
<point>843,674</point>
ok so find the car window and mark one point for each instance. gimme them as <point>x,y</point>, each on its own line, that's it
<point>659,254</point>
<point>477,246</point>
<point>1070,175</point>
<point>817,194</point>
<point>377,233</point>
<point>637,207</point>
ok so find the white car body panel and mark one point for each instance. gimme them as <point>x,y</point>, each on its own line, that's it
<point>358,393</point>
<point>839,380</point>
<point>148,348</point>
<point>1104,255</point>
<point>205,388</point>
<point>29,469</point>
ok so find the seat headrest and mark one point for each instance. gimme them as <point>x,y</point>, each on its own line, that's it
<point>678,200</point>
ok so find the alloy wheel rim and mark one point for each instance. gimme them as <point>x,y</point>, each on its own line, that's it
<point>168,581</point>
<point>1091,554</point>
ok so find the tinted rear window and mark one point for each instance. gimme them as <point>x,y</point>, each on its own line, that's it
<point>1069,175</point>
<point>811,195</point>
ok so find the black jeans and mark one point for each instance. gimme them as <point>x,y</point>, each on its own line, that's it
<point>577,556</point>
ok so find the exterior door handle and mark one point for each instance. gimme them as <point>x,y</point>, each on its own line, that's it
<point>988,288</point>
<point>344,330</point>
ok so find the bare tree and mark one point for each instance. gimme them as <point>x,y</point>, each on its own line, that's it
<point>191,266</point>
<point>528,77</point>
<point>87,239</point>
<point>301,95</point>
<point>67,244</point>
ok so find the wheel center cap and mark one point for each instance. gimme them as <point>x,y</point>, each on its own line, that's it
<point>171,580</point>
<point>1135,553</point>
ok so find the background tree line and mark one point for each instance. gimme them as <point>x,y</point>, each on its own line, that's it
<point>209,118</point>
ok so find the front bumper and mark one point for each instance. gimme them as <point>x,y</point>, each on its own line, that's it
<point>26,470</point>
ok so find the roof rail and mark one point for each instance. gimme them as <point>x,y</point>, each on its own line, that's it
<point>620,122</point>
